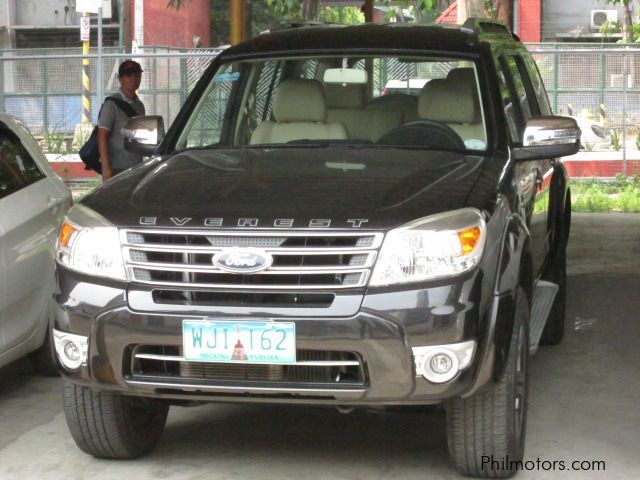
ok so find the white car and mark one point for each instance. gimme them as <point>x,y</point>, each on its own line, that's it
<point>411,86</point>
<point>595,136</point>
<point>33,201</point>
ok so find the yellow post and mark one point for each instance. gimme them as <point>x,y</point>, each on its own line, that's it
<point>236,8</point>
<point>86,82</point>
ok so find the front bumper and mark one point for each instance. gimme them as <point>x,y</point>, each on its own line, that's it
<point>381,334</point>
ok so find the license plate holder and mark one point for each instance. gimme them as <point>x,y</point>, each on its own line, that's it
<point>227,341</point>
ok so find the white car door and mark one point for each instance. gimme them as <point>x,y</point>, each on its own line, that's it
<point>33,201</point>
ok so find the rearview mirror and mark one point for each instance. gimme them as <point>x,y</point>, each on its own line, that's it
<point>143,134</point>
<point>345,76</point>
<point>549,137</point>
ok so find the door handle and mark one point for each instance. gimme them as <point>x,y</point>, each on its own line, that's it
<point>53,202</point>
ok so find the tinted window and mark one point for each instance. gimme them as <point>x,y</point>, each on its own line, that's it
<point>520,91</point>
<point>17,168</point>
<point>509,110</point>
<point>538,86</point>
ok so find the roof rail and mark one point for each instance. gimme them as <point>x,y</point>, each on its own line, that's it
<point>293,25</point>
<point>480,25</point>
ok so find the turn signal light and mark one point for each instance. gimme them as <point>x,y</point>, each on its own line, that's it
<point>65,234</point>
<point>469,238</point>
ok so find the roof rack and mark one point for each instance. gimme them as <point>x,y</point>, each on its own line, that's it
<point>300,24</point>
<point>480,25</point>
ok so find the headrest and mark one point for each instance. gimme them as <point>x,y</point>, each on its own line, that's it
<point>300,100</point>
<point>344,96</point>
<point>464,75</point>
<point>447,102</point>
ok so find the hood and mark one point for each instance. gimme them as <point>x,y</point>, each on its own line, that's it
<point>368,188</point>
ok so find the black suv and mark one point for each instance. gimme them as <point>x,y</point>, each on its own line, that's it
<point>301,237</point>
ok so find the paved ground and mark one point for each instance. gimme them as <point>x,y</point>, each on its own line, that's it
<point>585,404</point>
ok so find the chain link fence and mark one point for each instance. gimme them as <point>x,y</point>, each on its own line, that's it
<point>44,88</point>
<point>600,83</point>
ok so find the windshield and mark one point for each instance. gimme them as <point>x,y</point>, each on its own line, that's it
<point>367,101</point>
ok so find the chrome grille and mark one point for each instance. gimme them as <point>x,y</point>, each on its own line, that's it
<point>301,260</point>
<point>316,367</point>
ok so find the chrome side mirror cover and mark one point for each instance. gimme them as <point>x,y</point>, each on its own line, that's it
<point>143,134</point>
<point>549,137</point>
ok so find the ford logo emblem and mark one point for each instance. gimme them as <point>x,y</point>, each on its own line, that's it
<point>242,260</point>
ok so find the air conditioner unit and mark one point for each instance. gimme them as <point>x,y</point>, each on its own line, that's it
<point>598,17</point>
<point>616,80</point>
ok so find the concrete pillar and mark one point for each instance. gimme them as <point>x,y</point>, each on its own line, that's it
<point>469,8</point>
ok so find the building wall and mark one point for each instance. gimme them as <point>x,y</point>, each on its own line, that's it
<point>530,16</point>
<point>176,28</point>
<point>567,16</point>
<point>49,13</point>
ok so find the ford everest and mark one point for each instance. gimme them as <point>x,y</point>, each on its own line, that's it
<point>298,237</point>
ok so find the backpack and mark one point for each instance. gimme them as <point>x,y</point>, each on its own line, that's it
<point>89,152</point>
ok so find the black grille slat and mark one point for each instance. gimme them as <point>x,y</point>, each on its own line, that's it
<point>221,299</point>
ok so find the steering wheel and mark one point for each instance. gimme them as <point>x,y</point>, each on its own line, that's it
<point>424,133</point>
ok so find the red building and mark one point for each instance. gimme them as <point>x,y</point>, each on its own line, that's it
<point>153,23</point>
<point>528,21</point>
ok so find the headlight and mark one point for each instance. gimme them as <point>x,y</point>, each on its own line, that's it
<point>438,246</point>
<point>89,244</point>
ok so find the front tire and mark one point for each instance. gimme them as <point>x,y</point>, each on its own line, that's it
<point>486,432</point>
<point>113,426</point>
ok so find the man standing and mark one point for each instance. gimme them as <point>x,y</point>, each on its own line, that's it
<point>113,156</point>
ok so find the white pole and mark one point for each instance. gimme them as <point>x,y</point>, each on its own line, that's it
<point>99,70</point>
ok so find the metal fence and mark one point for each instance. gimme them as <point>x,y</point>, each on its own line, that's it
<point>590,77</point>
<point>600,82</point>
<point>44,87</point>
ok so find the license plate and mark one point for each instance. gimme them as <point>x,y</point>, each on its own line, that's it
<point>239,342</point>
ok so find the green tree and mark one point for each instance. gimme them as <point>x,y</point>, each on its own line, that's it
<point>627,24</point>
<point>342,15</point>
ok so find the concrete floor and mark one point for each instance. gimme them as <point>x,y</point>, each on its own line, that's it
<point>584,405</point>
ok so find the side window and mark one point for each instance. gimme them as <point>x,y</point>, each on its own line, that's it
<point>538,86</point>
<point>523,104</point>
<point>17,168</point>
<point>509,110</point>
<point>522,99</point>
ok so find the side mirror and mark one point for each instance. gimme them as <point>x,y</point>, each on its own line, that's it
<point>549,137</point>
<point>143,134</point>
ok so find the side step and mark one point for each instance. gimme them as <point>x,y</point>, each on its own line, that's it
<point>543,297</point>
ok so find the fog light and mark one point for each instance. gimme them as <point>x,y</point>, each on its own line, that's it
<point>71,349</point>
<point>441,363</point>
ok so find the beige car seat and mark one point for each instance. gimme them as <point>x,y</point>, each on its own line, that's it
<point>300,113</point>
<point>454,102</point>
<point>346,105</point>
